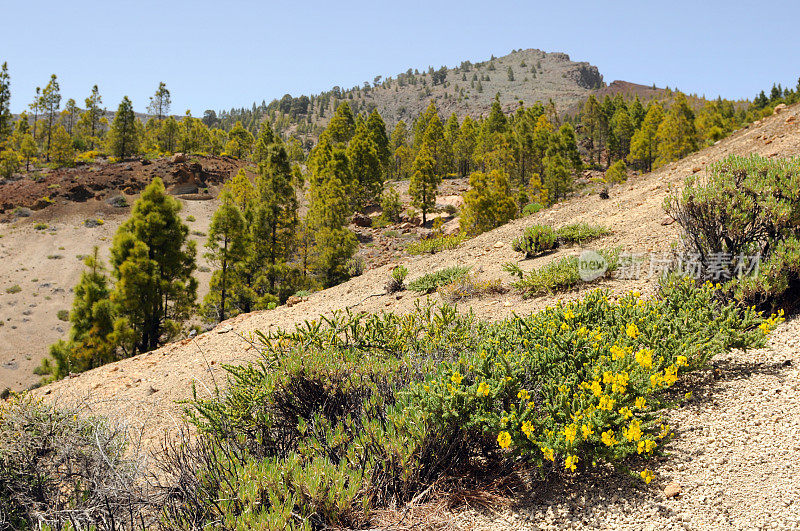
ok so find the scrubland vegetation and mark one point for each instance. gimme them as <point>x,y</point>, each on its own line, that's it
<point>354,413</point>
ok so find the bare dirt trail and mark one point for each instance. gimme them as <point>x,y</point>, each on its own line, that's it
<point>736,453</point>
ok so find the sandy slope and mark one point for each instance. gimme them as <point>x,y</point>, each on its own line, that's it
<point>736,452</point>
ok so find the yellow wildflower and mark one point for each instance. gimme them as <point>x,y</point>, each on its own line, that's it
<point>596,389</point>
<point>568,314</point>
<point>564,326</point>
<point>647,476</point>
<point>626,412</point>
<point>645,358</point>
<point>548,453</point>
<point>681,361</point>
<point>645,446</point>
<point>617,353</point>
<point>634,431</point>
<point>632,330</point>
<point>640,402</point>
<point>570,432</point>
<point>620,383</point>
<point>456,378</point>
<point>570,462</point>
<point>523,395</point>
<point>483,389</point>
<point>608,438</point>
<point>527,428</point>
<point>586,429</point>
<point>504,439</point>
<point>606,402</point>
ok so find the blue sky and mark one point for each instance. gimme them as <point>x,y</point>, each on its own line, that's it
<point>214,54</point>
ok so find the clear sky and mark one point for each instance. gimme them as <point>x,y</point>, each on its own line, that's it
<point>229,53</point>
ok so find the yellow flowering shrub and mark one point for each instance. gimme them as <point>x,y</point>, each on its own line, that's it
<point>580,382</point>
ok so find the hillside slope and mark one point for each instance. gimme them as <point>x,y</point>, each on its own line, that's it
<point>469,90</point>
<point>735,453</point>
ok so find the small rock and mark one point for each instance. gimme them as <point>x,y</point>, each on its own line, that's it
<point>778,108</point>
<point>668,220</point>
<point>672,490</point>
<point>791,119</point>
<point>178,157</point>
<point>498,245</point>
<point>224,329</point>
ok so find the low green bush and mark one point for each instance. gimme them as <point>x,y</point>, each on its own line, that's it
<point>559,275</point>
<point>435,245</point>
<point>429,282</point>
<point>13,289</point>
<point>537,239</point>
<point>532,208</point>
<point>581,233</point>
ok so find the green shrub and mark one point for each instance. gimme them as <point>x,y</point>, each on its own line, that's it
<point>13,289</point>
<point>581,233</point>
<point>315,433</point>
<point>190,218</point>
<point>532,208</point>
<point>429,282</point>
<point>582,383</point>
<point>744,207</point>
<point>355,266</point>
<point>391,207</point>
<point>40,226</point>
<point>617,173</point>
<point>559,275</point>
<point>435,245</point>
<point>63,315</point>
<point>358,412</point>
<point>536,240</point>
<point>397,282</point>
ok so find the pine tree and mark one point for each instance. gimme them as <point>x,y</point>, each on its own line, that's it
<point>275,220</point>
<point>92,118</point>
<point>50,103</point>
<point>265,139</point>
<point>167,134</point>
<point>69,114</point>
<point>152,261</point>
<point>242,190</point>
<point>557,179</point>
<point>377,132</point>
<point>464,147</point>
<point>62,153</point>
<point>496,122</point>
<point>424,182</point>
<point>592,124</point>
<point>5,98</point>
<point>92,317</point>
<point>342,126</point>
<point>622,131</point>
<point>36,107</point>
<point>160,102</point>
<point>489,202</point>
<point>28,150</point>
<point>124,136</point>
<point>240,141</point>
<point>677,135</point>
<point>227,246</point>
<point>365,167</point>
<point>644,144</point>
